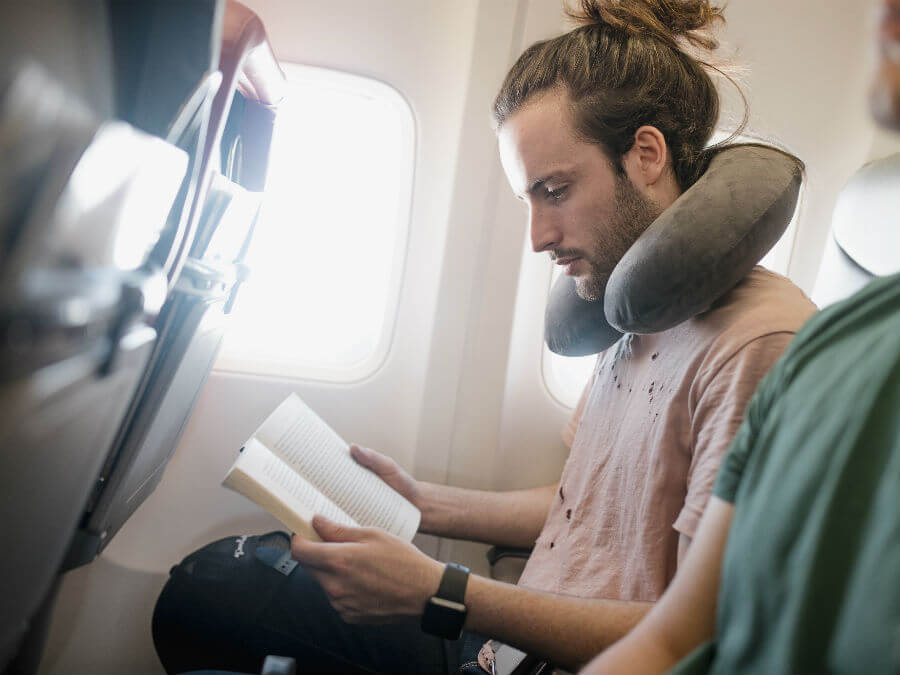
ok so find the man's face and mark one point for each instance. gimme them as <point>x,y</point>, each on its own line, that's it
<point>584,213</point>
<point>885,94</point>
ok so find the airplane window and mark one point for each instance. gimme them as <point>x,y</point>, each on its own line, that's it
<point>328,252</point>
<point>566,376</point>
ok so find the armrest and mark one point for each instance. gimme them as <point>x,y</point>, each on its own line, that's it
<point>507,562</point>
<point>497,553</point>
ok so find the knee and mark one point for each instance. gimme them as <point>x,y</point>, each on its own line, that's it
<point>211,600</point>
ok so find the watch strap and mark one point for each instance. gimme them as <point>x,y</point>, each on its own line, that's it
<point>453,583</point>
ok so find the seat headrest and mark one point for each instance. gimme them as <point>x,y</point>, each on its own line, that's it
<point>866,221</point>
<point>865,233</point>
<point>692,254</point>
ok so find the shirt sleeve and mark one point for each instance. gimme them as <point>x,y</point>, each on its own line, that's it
<point>732,470</point>
<point>717,416</point>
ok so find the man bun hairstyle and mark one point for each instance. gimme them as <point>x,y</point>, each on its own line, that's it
<point>630,63</point>
<point>666,20</point>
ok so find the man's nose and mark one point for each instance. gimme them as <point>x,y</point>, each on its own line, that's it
<point>545,235</point>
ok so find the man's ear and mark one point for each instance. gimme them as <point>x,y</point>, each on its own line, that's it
<point>647,160</point>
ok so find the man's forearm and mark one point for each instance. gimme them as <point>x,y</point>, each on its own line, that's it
<point>567,630</point>
<point>510,518</point>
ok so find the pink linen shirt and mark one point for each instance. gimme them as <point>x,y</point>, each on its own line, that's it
<point>647,438</point>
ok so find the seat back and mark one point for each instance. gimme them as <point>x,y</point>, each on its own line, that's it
<point>194,318</point>
<point>192,325</point>
<point>865,239</point>
<point>69,39</point>
<point>162,50</point>
<point>76,304</point>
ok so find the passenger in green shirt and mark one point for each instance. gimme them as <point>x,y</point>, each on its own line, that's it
<point>796,564</point>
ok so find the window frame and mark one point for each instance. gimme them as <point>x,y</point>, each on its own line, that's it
<point>246,364</point>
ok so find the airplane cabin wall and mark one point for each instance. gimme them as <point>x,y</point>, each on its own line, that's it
<point>460,398</point>
<point>809,67</point>
<point>884,143</point>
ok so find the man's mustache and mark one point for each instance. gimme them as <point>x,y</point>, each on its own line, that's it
<point>558,253</point>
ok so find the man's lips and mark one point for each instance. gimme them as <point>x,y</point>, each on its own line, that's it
<point>570,264</point>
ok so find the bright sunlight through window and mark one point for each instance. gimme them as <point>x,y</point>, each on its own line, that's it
<point>565,376</point>
<point>328,251</point>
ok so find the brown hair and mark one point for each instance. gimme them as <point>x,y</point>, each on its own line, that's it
<point>631,63</point>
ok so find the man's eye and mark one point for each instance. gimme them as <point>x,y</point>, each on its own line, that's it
<point>556,194</point>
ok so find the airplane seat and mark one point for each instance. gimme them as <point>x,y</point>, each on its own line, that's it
<point>76,303</point>
<point>193,320</point>
<point>166,79</point>
<point>166,83</point>
<point>864,241</point>
<point>97,220</point>
<point>72,43</point>
<point>85,204</point>
<point>161,51</point>
<point>192,325</point>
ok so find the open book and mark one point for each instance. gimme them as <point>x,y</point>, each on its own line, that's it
<point>295,466</point>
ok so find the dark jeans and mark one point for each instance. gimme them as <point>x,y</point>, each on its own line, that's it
<point>226,607</point>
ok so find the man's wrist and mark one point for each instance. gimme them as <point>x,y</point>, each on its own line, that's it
<point>428,507</point>
<point>432,583</point>
<point>444,613</point>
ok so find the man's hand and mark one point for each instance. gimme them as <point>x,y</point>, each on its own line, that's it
<point>389,471</point>
<point>511,518</point>
<point>369,575</point>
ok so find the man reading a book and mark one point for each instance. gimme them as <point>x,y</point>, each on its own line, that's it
<point>796,563</point>
<point>600,130</point>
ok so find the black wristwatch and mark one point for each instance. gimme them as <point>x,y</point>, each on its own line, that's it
<point>445,612</point>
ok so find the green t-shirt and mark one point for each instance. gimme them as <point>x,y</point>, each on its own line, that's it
<point>811,574</point>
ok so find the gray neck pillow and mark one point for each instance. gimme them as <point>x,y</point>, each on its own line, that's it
<point>695,252</point>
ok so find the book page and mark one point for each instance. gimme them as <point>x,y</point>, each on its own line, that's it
<point>267,480</point>
<point>307,443</point>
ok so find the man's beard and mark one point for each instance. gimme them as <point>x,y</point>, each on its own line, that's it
<point>633,214</point>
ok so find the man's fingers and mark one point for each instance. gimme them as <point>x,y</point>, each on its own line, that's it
<point>372,460</point>
<point>325,554</point>
<point>333,532</point>
<point>364,456</point>
<point>311,553</point>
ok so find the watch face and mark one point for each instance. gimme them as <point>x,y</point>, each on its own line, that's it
<point>444,618</point>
